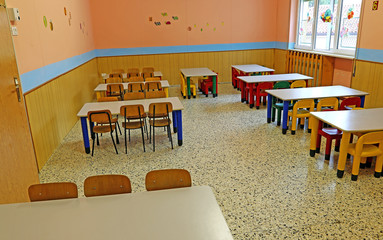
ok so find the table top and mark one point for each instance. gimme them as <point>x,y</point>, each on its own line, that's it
<point>125,75</point>
<point>157,74</point>
<point>252,68</point>
<point>364,120</point>
<point>184,213</point>
<point>314,92</point>
<point>197,72</point>
<point>274,78</point>
<point>114,107</point>
<point>102,86</point>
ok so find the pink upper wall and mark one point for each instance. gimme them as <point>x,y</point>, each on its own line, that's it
<point>125,24</point>
<point>37,46</point>
<point>283,20</point>
<point>371,28</point>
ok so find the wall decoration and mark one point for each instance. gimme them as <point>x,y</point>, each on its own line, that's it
<point>222,23</point>
<point>157,23</point>
<point>375,5</point>
<point>150,19</point>
<point>164,14</point>
<point>207,24</point>
<point>326,16</point>
<point>175,18</point>
<point>195,25</point>
<point>350,13</point>
<point>51,24</point>
<point>80,26</point>
<point>45,21</point>
<point>344,32</point>
<point>65,11</point>
<point>201,29</point>
<point>70,15</point>
<point>214,29</point>
<point>168,23</point>
<point>308,17</point>
<point>69,22</point>
<point>189,29</point>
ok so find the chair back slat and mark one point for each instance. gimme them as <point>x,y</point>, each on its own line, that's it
<point>167,179</point>
<point>106,185</point>
<point>152,86</point>
<point>328,102</point>
<point>134,95</point>
<point>114,80</point>
<point>298,84</point>
<point>349,103</point>
<point>132,111</point>
<point>136,87</point>
<point>152,79</point>
<point>52,191</point>
<point>107,99</point>
<point>135,79</point>
<point>155,94</point>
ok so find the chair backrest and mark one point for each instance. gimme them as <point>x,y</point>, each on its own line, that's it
<point>155,94</point>
<point>114,89</point>
<point>152,86</point>
<point>114,80</point>
<point>152,79</point>
<point>119,70</point>
<point>107,99</point>
<point>132,72</point>
<point>369,138</point>
<point>134,95</point>
<point>100,116</point>
<point>328,102</point>
<point>136,87</point>
<point>298,84</point>
<point>135,79</point>
<point>115,75</point>
<point>167,179</point>
<point>281,85</point>
<point>160,109</point>
<point>148,69</point>
<point>52,191</point>
<point>305,103</point>
<point>147,74</point>
<point>106,185</point>
<point>132,111</point>
<point>265,85</point>
<point>349,103</point>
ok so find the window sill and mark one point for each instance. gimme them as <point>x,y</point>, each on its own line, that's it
<point>325,54</point>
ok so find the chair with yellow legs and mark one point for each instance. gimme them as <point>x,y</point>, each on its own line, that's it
<point>300,111</point>
<point>184,90</point>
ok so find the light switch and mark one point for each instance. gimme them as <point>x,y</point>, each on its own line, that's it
<point>14,31</point>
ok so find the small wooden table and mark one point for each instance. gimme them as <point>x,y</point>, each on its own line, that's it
<point>246,70</point>
<point>251,81</point>
<point>114,108</point>
<point>190,213</point>
<point>199,72</point>
<point>294,94</point>
<point>349,121</point>
<point>101,88</point>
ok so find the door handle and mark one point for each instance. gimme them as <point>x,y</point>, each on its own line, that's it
<point>17,86</point>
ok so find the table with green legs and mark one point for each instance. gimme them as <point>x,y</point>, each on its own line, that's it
<point>199,72</point>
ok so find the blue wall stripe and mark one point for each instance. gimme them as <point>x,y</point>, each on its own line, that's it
<point>372,55</point>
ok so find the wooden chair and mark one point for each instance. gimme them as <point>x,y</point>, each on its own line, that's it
<point>115,75</point>
<point>368,145</point>
<point>134,118</point>
<point>159,117</point>
<point>106,185</point>
<point>148,69</point>
<point>119,70</point>
<point>134,95</point>
<point>115,90</point>
<point>328,104</point>
<point>300,111</point>
<point>135,79</point>
<point>114,118</point>
<point>133,72</point>
<point>167,179</point>
<point>146,75</point>
<point>152,79</point>
<point>104,118</point>
<point>52,191</point>
<point>155,94</point>
<point>152,86</point>
<point>113,80</point>
<point>136,87</point>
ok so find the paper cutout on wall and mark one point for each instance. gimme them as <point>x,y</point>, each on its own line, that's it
<point>207,24</point>
<point>80,26</point>
<point>164,14</point>
<point>189,29</point>
<point>150,19</point>
<point>223,23</point>
<point>214,29</point>
<point>65,11</point>
<point>375,5</point>
<point>175,18</point>
<point>51,24</point>
<point>45,21</point>
<point>69,22</point>
<point>195,25</point>
<point>201,29</point>
<point>157,23</point>
<point>168,23</point>
<point>70,15</point>
<point>350,13</point>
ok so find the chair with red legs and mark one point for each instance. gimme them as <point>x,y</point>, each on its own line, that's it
<point>207,84</point>
<point>350,103</point>
<point>260,92</point>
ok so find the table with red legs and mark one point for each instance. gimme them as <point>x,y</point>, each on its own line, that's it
<point>251,81</point>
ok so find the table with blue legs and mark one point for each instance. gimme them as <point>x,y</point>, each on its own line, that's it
<point>199,72</point>
<point>114,108</point>
<point>295,94</point>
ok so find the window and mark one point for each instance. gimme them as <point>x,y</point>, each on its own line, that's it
<point>328,25</point>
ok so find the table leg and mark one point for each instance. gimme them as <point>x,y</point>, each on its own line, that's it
<point>188,86</point>
<point>214,86</point>
<point>166,90</point>
<point>285,116</point>
<point>243,88</point>
<point>314,135</point>
<point>251,95</point>
<point>174,115</point>
<point>362,99</point>
<point>85,136</point>
<point>343,153</point>
<point>269,103</point>
<point>179,126</point>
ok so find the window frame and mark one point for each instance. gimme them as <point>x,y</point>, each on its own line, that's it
<point>335,50</point>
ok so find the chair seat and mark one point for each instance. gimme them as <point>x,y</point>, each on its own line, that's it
<point>103,128</point>
<point>160,122</point>
<point>369,150</point>
<point>113,120</point>
<point>133,125</point>
<point>330,132</point>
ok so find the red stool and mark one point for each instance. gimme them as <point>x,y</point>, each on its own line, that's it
<point>207,84</point>
<point>260,92</point>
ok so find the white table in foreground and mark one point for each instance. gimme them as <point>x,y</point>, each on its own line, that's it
<point>365,120</point>
<point>293,94</point>
<point>185,213</point>
<point>101,88</point>
<point>199,72</point>
<point>114,108</point>
<point>252,80</point>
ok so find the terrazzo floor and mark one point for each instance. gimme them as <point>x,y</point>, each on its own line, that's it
<point>267,185</point>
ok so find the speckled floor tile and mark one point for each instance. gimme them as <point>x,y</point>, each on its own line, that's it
<point>266,184</point>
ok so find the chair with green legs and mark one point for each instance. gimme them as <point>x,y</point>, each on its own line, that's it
<point>278,105</point>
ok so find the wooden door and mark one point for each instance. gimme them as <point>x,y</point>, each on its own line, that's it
<point>18,167</point>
